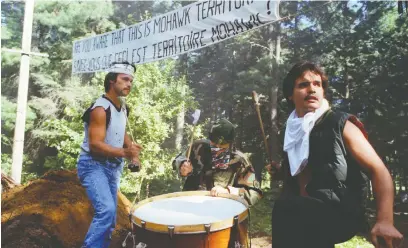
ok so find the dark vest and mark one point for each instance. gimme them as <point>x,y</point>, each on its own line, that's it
<point>336,178</point>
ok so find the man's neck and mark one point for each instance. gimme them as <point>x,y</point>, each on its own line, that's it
<point>300,113</point>
<point>114,98</point>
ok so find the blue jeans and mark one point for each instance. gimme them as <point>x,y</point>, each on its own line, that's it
<point>101,180</point>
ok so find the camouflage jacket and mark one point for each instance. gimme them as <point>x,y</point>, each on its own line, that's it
<point>239,173</point>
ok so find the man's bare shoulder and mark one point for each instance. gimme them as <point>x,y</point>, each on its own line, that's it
<point>98,115</point>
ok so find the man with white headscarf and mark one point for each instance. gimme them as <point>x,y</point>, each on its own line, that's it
<point>327,157</point>
<point>105,144</point>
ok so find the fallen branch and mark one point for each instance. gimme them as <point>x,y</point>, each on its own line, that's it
<point>7,183</point>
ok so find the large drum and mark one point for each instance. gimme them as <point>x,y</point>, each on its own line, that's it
<point>191,219</point>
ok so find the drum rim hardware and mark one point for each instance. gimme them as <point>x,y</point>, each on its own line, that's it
<point>171,230</point>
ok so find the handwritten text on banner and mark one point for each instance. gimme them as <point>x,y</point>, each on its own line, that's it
<point>194,26</point>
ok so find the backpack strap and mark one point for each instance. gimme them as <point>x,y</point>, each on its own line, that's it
<point>86,117</point>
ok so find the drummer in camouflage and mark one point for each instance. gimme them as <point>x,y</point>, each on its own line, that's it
<point>214,164</point>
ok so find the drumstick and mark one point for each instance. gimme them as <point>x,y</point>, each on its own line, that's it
<point>255,98</point>
<point>134,166</point>
<point>191,144</point>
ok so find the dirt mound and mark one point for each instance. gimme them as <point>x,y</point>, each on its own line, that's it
<point>53,211</point>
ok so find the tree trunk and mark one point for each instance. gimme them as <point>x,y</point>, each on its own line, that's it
<point>241,124</point>
<point>178,141</point>
<point>296,48</point>
<point>346,82</point>
<point>274,58</point>
<point>182,71</point>
<point>274,88</point>
<point>231,102</point>
<point>147,190</point>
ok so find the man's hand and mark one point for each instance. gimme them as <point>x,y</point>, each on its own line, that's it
<point>135,163</point>
<point>215,191</point>
<point>387,231</point>
<point>186,168</point>
<point>132,152</point>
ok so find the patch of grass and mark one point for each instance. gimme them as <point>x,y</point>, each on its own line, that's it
<point>356,242</point>
<point>261,218</point>
<point>261,214</point>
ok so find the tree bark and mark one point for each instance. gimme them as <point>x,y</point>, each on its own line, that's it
<point>178,141</point>
<point>241,124</point>
<point>274,58</point>
<point>274,46</point>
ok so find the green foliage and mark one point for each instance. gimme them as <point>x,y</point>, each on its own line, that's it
<point>8,115</point>
<point>357,241</point>
<point>156,99</point>
<point>6,163</point>
<point>11,29</point>
<point>64,136</point>
<point>61,125</point>
<point>8,119</point>
<point>261,225</point>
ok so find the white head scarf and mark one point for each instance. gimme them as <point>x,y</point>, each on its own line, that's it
<point>122,68</point>
<point>297,134</point>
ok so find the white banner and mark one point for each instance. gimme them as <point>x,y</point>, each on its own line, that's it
<point>194,26</point>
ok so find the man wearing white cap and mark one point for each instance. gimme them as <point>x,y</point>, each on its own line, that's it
<point>106,143</point>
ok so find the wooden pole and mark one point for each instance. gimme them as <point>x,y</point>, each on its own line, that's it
<point>18,143</point>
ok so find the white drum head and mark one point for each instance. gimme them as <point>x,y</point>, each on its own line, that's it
<point>189,210</point>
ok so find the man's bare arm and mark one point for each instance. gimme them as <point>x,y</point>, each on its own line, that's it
<point>127,142</point>
<point>364,153</point>
<point>97,133</point>
<point>366,156</point>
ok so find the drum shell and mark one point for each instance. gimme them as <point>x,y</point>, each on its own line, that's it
<point>229,233</point>
<point>227,238</point>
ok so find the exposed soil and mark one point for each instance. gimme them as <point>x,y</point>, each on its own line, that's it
<point>52,211</point>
